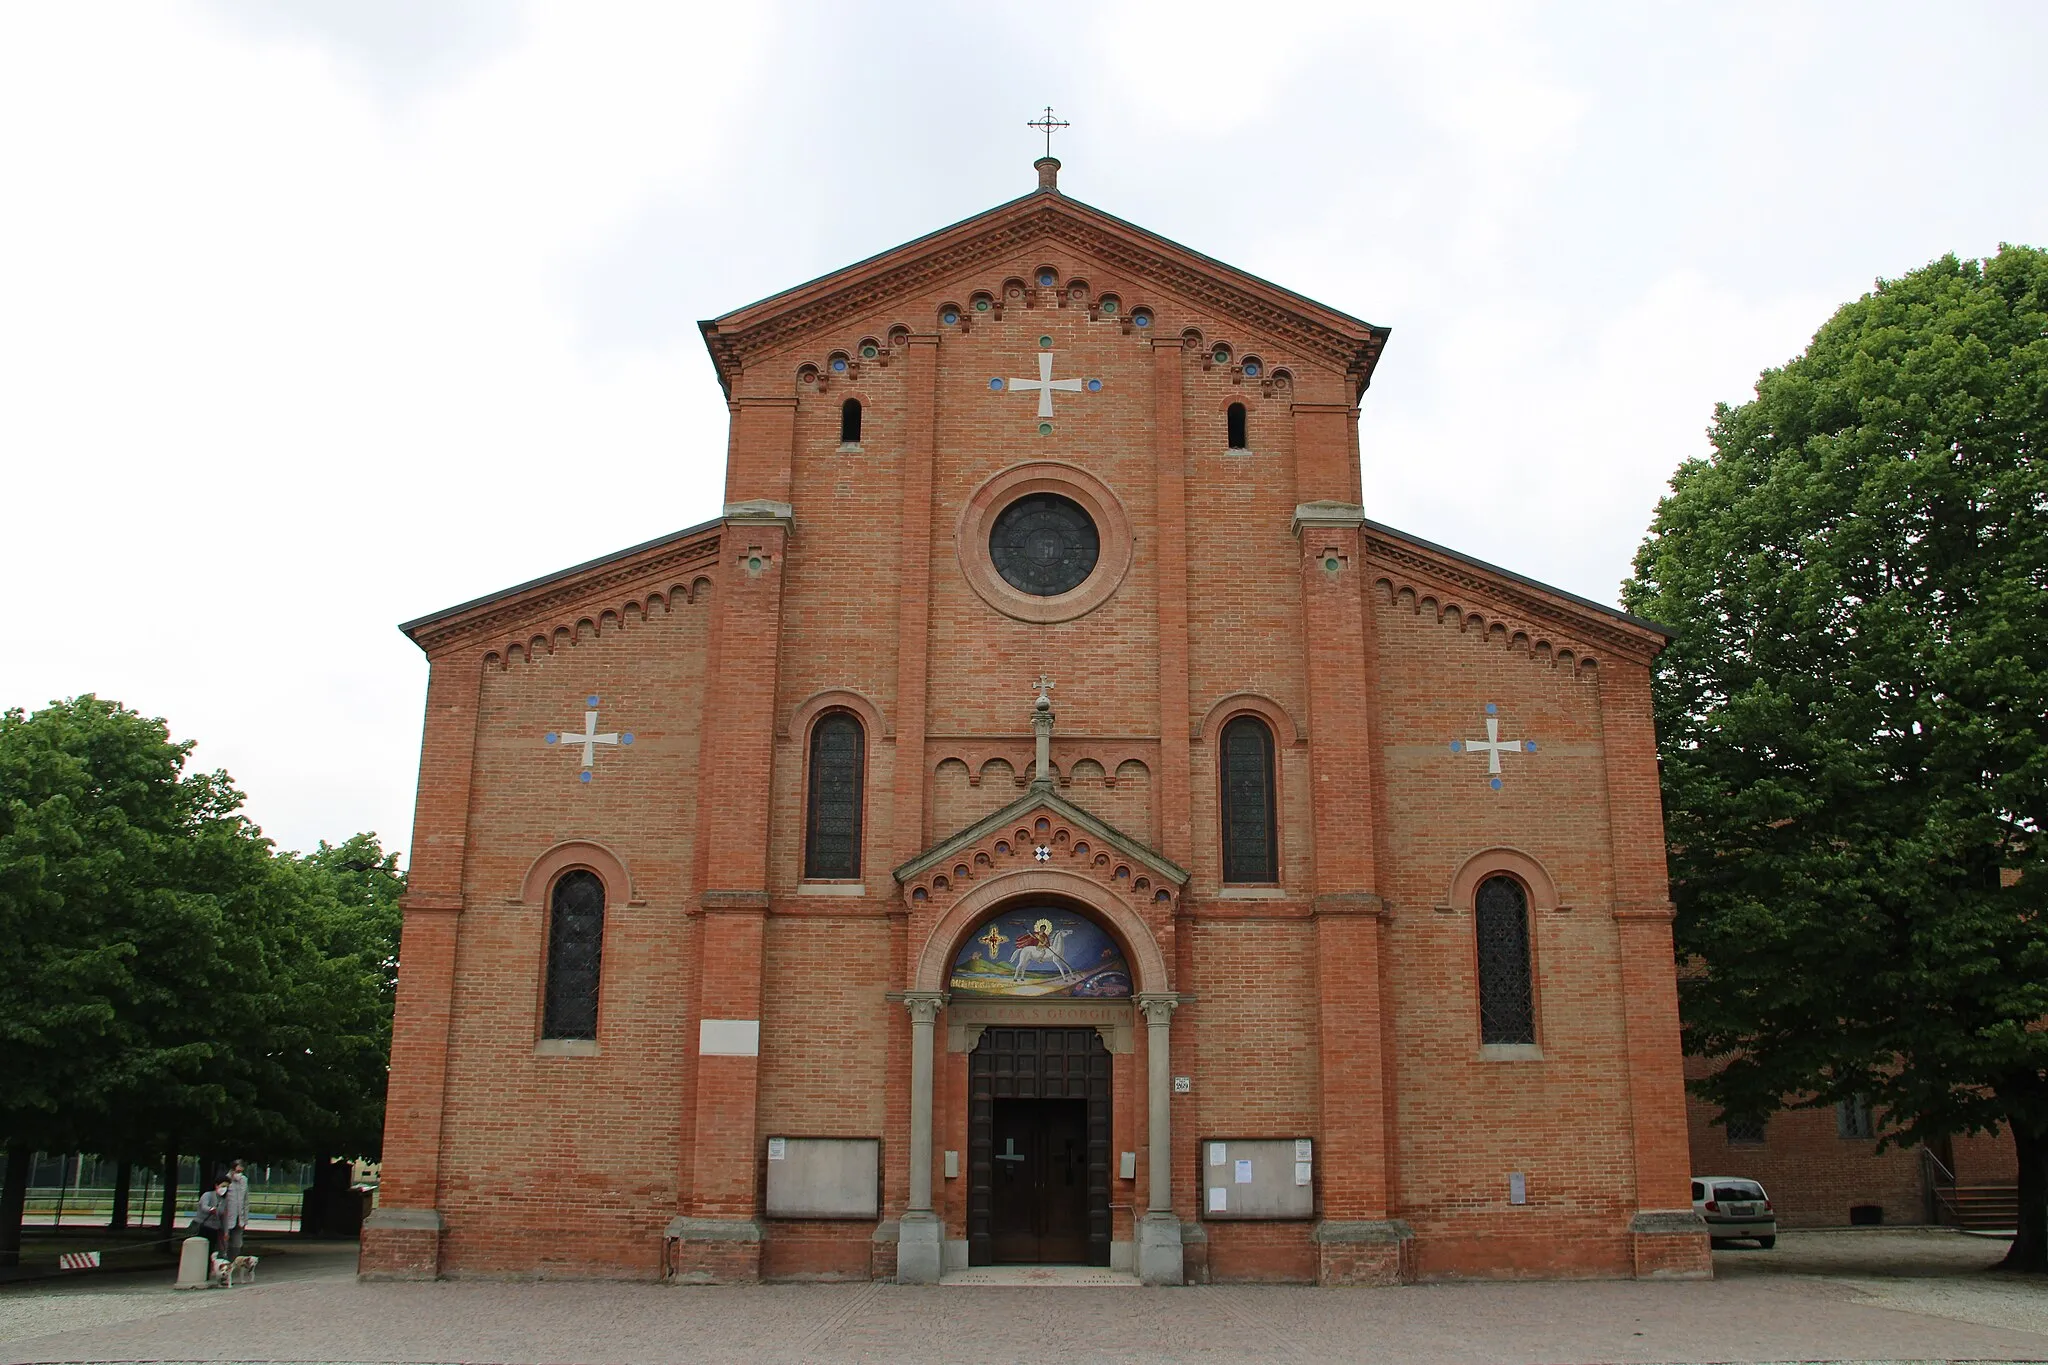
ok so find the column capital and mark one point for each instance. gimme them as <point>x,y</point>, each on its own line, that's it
<point>1158,1009</point>
<point>1326,516</point>
<point>924,1006</point>
<point>760,512</point>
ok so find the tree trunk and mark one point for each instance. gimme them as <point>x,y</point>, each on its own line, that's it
<point>167,1218</point>
<point>123,1173</point>
<point>13,1199</point>
<point>2030,1240</point>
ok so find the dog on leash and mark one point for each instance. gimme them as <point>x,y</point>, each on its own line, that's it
<point>225,1270</point>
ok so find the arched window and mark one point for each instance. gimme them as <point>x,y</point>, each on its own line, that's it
<point>1506,1005</point>
<point>575,955</point>
<point>849,422</point>
<point>1234,426</point>
<point>1251,834</point>
<point>832,834</point>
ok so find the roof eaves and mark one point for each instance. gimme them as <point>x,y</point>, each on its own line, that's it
<point>1614,613</point>
<point>434,617</point>
<point>708,327</point>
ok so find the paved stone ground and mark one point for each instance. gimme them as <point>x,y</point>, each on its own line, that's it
<point>1851,1296</point>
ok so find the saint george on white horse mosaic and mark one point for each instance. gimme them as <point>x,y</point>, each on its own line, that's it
<point>1038,951</point>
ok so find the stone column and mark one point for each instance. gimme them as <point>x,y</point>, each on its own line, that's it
<point>1159,1250</point>
<point>921,1244</point>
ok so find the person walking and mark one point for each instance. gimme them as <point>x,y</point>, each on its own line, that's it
<point>212,1219</point>
<point>236,1218</point>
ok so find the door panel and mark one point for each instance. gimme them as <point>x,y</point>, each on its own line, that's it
<point>1039,1195</point>
<point>1038,1099</point>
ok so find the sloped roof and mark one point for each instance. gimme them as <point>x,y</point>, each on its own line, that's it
<point>1348,343</point>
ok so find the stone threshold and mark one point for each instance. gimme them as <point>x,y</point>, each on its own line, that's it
<point>1041,1277</point>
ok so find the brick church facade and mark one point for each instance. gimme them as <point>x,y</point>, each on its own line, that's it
<point>1042,820</point>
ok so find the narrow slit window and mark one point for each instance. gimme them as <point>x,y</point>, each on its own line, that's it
<point>1234,427</point>
<point>1506,1003</point>
<point>1251,836</point>
<point>575,955</point>
<point>849,422</point>
<point>832,836</point>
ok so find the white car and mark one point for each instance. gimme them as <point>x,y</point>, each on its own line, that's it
<point>1735,1207</point>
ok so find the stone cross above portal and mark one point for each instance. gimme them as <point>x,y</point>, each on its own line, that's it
<point>590,738</point>
<point>1041,725</point>
<point>1493,746</point>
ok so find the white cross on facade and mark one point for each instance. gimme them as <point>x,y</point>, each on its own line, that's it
<point>1045,384</point>
<point>1042,853</point>
<point>590,738</point>
<point>1493,746</point>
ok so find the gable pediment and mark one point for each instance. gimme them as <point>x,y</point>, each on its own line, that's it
<point>992,239</point>
<point>1075,840</point>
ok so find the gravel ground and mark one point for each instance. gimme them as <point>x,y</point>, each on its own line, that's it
<point>1849,1296</point>
<point>1944,1275</point>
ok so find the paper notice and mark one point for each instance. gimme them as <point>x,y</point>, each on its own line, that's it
<point>1244,1172</point>
<point>778,1149</point>
<point>1304,1149</point>
<point>1217,1195</point>
<point>1301,1172</point>
<point>1216,1154</point>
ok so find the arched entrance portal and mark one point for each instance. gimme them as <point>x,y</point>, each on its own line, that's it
<point>1126,1001</point>
<point>1039,1082</point>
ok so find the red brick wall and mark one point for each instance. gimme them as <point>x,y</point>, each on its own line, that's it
<point>546,1164</point>
<point>1812,1174</point>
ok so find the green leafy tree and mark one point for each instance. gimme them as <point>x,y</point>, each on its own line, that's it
<point>175,985</point>
<point>1854,718</point>
<point>332,1047</point>
<point>110,939</point>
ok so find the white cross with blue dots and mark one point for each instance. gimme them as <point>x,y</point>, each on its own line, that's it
<point>589,739</point>
<point>1493,746</point>
<point>1045,385</point>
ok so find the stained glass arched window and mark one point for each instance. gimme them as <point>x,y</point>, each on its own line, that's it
<point>832,827</point>
<point>575,955</point>
<point>1251,834</point>
<point>1506,1004</point>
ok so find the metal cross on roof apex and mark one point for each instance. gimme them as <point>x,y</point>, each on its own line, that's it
<point>1049,125</point>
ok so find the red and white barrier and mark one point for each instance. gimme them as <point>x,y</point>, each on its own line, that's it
<point>79,1260</point>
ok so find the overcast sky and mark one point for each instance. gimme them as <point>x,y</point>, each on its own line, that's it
<point>316,317</point>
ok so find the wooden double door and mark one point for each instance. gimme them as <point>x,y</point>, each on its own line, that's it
<point>1038,1147</point>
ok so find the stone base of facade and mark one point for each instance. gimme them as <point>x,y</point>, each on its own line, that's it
<point>711,1251</point>
<point>1671,1245</point>
<point>1159,1250</point>
<point>1378,1252</point>
<point>920,1248</point>
<point>401,1244</point>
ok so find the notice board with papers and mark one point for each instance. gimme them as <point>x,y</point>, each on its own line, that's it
<point>811,1177</point>
<point>1257,1178</point>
